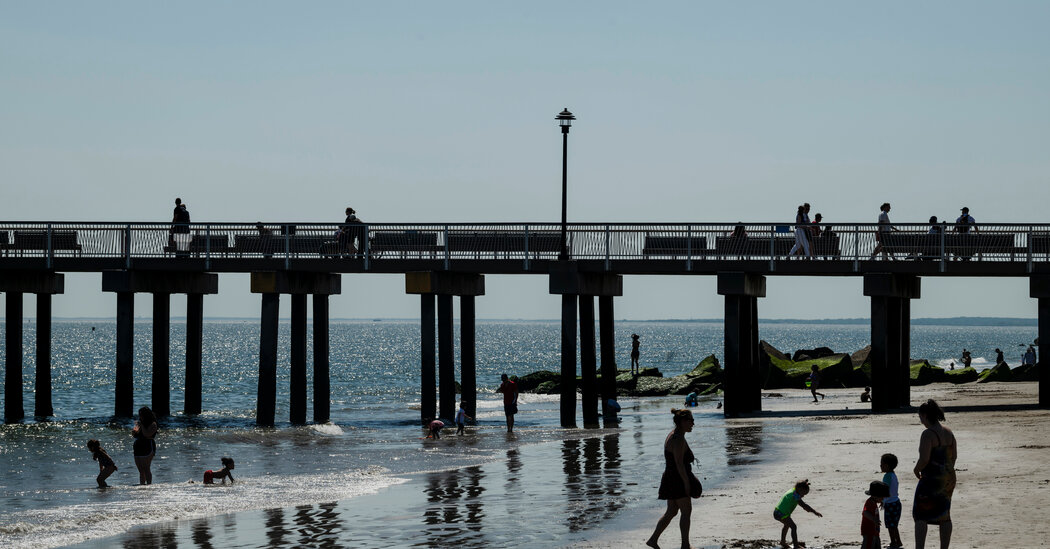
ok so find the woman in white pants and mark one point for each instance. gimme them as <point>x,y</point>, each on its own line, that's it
<point>802,232</point>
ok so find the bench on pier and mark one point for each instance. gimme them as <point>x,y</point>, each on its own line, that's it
<point>674,246</point>
<point>270,244</point>
<point>759,246</point>
<point>38,241</point>
<point>544,243</point>
<point>201,244</point>
<point>964,245</point>
<point>403,243</point>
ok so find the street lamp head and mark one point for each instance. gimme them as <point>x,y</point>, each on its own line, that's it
<point>565,119</point>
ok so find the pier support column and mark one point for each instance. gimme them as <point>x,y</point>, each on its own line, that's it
<point>444,285</point>
<point>588,362</point>
<point>322,381</point>
<point>1040,289</point>
<point>428,357</point>
<point>266,400</point>
<point>742,387</point>
<point>467,367</point>
<point>42,406</point>
<point>124,405</point>
<point>568,281</point>
<point>606,331</point>
<point>890,338</point>
<point>299,285</point>
<point>297,371</point>
<point>13,406</point>
<point>194,353</point>
<point>446,359</point>
<point>161,387</point>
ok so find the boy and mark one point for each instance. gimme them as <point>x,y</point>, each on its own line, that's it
<point>461,419</point>
<point>869,522</point>
<point>891,506</point>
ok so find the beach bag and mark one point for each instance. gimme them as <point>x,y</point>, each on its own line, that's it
<point>695,488</point>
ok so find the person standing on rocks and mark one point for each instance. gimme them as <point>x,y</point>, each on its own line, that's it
<point>635,366</point>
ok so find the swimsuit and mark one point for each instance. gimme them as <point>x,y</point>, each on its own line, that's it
<point>933,494</point>
<point>787,505</point>
<point>671,486</point>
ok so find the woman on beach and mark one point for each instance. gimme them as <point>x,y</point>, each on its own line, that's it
<point>145,447</point>
<point>678,483</point>
<point>936,472</point>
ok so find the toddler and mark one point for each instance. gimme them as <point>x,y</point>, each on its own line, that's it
<point>105,463</point>
<point>787,504</point>
<point>869,521</point>
<point>221,474</point>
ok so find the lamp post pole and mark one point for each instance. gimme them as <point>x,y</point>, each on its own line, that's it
<point>564,119</point>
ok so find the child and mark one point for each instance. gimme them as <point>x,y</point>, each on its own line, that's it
<point>227,467</point>
<point>105,463</point>
<point>891,506</point>
<point>787,504</point>
<point>461,419</point>
<point>814,383</point>
<point>866,395</point>
<point>434,428</point>
<point>869,522</point>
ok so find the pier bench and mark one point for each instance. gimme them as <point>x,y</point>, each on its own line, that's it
<point>403,243</point>
<point>674,246</point>
<point>270,244</point>
<point>759,246</point>
<point>201,243</point>
<point>38,241</point>
<point>510,244</point>
<point>963,245</point>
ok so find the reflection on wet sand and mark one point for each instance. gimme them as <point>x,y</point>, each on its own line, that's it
<point>150,538</point>
<point>593,489</point>
<point>743,442</point>
<point>454,512</point>
<point>275,530</point>
<point>201,534</point>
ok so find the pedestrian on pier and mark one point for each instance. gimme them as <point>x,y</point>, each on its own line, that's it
<point>883,228</point>
<point>352,233</point>
<point>636,367</point>
<point>180,226</point>
<point>803,232</point>
<point>510,400</point>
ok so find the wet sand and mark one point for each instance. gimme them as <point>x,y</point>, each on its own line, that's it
<point>1003,473</point>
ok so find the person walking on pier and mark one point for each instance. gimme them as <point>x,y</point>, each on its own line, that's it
<point>803,232</point>
<point>678,485</point>
<point>636,367</point>
<point>145,448</point>
<point>353,233</point>
<point>180,226</point>
<point>884,227</point>
<point>510,400</point>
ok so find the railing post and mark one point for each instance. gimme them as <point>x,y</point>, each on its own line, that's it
<point>367,248</point>
<point>50,252</point>
<point>856,248</point>
<point>944,257</point>
<point>127,246</point>
<point>689,247</point>
<point>1030,265</point>
<point>526,247</point>
<point>772,247</point>
<point>608,264</point>
<point>446,247</point>
<point>287,246</point>
<point>207,246</point>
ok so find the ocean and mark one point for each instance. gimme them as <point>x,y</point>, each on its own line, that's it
<point>368,478</point>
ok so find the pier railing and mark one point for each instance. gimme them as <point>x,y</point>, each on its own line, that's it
<point>688,242</point>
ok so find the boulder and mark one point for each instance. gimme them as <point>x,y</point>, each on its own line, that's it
<point>861,376</point>
<point>1027,372</point>
<point>810,354</point>
<point>1000,372</point>
<point>529,382</point>
<point>923,373</point>
<point>961,375</point>
<point>708,371</point>
<point>660,386</point>
<point>767,350</point>
<point>548,388</point>
<point>860,357</point>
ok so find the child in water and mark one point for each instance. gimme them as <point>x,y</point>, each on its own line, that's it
<point>814,382</point>
<point>433,428</point>
<point>105,463</point>
<point>221,474</point>
<point>461,419</point>
<point>787,504</point>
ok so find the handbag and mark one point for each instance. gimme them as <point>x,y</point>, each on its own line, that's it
<point>695,488</point>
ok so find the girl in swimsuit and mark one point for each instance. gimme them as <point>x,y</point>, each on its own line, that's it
<point>105,463</point>
<point>145,448</point>
<point>676,485</point>
<point>936,472</point>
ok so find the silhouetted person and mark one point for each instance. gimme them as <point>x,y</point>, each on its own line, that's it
<point>180,227</point>
<point>883,228</point>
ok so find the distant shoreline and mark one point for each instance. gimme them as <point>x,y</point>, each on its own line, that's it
<point>948,321</point>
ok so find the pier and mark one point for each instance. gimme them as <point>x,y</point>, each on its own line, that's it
<point>441,262</point>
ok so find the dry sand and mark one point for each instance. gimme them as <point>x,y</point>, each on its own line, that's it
<point>1003,472</point>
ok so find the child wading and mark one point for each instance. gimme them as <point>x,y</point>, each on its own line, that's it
<point>891,506</point>
<point>221,474</point>
<point>461,419</point>
<point>105,463</point>
<point>783,512</point>
<point>869,521</point>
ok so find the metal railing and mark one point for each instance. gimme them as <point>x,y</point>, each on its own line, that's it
<point>528,242</point>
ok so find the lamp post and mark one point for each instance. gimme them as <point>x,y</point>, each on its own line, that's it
<point>564,119</point>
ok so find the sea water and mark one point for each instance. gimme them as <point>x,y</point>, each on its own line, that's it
<point>373,442</point>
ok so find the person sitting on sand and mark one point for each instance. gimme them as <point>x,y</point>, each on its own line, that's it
<point>787,504</point>
<point>221,474</point>
<point>813,382</point>
<point>866,395</point>
<point>692,399</point>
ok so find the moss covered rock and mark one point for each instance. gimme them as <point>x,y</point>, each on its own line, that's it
<point>810,354</point>
<point>961,375</point>
<point>1000,372</point>
<point>1027,372</point>
<point>860,357</point>
<point>548,388</point>
<point>529,382</point>
<point>708,371</point>
<point>923,373</point>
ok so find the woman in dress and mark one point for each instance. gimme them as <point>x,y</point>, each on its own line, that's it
<point>145,448</point>
<point>677,484</point>
<point>936,472</point>
<point>803,231</point>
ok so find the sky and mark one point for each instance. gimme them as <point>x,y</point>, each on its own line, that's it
<point>444,112</point>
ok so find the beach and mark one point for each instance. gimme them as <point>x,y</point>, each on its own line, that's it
<point>1003,473</point>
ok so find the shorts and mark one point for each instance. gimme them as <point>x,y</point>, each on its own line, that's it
<point>779,516</point>
<point>209,477</point>
<point>891,513</point>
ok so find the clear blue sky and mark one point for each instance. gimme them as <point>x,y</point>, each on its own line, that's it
<point>424,111</point>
